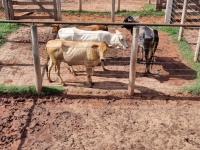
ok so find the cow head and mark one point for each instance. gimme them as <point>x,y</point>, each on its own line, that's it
<point>98,51</point>
<point>120,40</point>
<point>103,47</point>
<point>130,19</point>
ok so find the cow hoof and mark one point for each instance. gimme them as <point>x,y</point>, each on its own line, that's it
<point>50,81</point>
<point>147,73</point>
<point>74,74</point>
<point>105,69</point>
<point>91,85</point>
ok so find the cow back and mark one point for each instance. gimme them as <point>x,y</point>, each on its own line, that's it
<point>80,53</point>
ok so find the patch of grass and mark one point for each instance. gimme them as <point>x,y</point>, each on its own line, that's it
<point>6,29</point>
<point>188,54</point>
<point>85,12</point>
<point>30,90</point>
<point>140,13</point>
<point>148,10</point>
<point>149,7</point>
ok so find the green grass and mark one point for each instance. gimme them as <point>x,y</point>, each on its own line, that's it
<point>187,53</point>
<point>30,90</point>
<point>148,10</point>
<point>119,13</point>
<point>6,29</point>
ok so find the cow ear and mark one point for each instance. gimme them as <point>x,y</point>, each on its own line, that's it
<point>117,31</point>
<point>92,53</point>
<point>95,46</point>
<point>110,46</point>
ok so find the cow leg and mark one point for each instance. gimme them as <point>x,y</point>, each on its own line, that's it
<point>89,78</point>
<point>147,55</point>
<point>72,70</point>
<point>49,67</point>
<point>140,53</point>
<point>103,66</point>
<point>58,73</point>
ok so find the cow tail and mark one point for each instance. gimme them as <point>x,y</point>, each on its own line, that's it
<point>47,62</point>
<point>46,65</point>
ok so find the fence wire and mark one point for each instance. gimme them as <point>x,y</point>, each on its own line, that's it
<point>190,34</point>
<point>16,65</point>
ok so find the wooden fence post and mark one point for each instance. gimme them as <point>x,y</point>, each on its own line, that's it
<point>158,4</point>
<point>11,11</point>
<point>196,55</point>
<point>113,11</point>
<point>183,19</point>
<point>55,3</point>
<point>36,58</point>
<point>59,9</point>
<point>133,61</point>
<point>80,5</point>
<point>168,12</point>
<point>118,5</point>
<point>5,3</point>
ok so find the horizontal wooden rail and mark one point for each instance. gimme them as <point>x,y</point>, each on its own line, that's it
<point>100,23</point>
<point>31,3</point>
<point>32,17</point>
<point>32,10</point>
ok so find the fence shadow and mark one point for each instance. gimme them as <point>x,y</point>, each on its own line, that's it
<point>175,69</point>
<point>28,121</point>
<point>104,85</point>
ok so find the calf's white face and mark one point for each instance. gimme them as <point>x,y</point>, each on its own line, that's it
<point>120,40</point>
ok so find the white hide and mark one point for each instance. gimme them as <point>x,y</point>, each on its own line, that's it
<point>113,39</point>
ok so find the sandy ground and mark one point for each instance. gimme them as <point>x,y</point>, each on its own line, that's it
<point>104,117</point>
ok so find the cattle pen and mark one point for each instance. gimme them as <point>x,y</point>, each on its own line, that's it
<point>39,72</point>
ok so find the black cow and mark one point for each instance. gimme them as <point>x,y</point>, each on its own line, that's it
<point>148,41</point>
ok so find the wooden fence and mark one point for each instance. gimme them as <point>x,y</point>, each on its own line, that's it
<point>51,9</point>
<point>132,71</point>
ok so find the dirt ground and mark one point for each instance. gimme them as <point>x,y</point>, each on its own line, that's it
<point>157,117</point>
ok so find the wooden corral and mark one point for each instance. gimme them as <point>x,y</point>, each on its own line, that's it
<point>26,9</point>
<point>174,9</point>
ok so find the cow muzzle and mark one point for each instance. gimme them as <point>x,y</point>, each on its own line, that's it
<point>125,47</point>
<point>102,59</point>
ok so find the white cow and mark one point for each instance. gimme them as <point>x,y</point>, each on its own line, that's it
<point>112,39</point>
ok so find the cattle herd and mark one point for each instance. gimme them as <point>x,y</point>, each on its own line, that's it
<point>87,45</point>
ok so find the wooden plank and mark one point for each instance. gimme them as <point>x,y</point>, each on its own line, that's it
<point>113,11</point>
<point>196,55</point>
<point>36,58</point>
<point>80,5</point>
<point>32,17</point>
<point>58,10</point>
<point>183,19</point>
<point>11,12</point>
<point>32,10</point>
<point>31,3</point>
<point>118,5</point>
<point>191,6</point>
<point>188,13</point>
<point>5,2</point>
<point>133,61</point>
<point>158,4</point>
<point>55,10</point>
<point>187,20</point>
<point>168,12</point>
<point>41,7</point>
